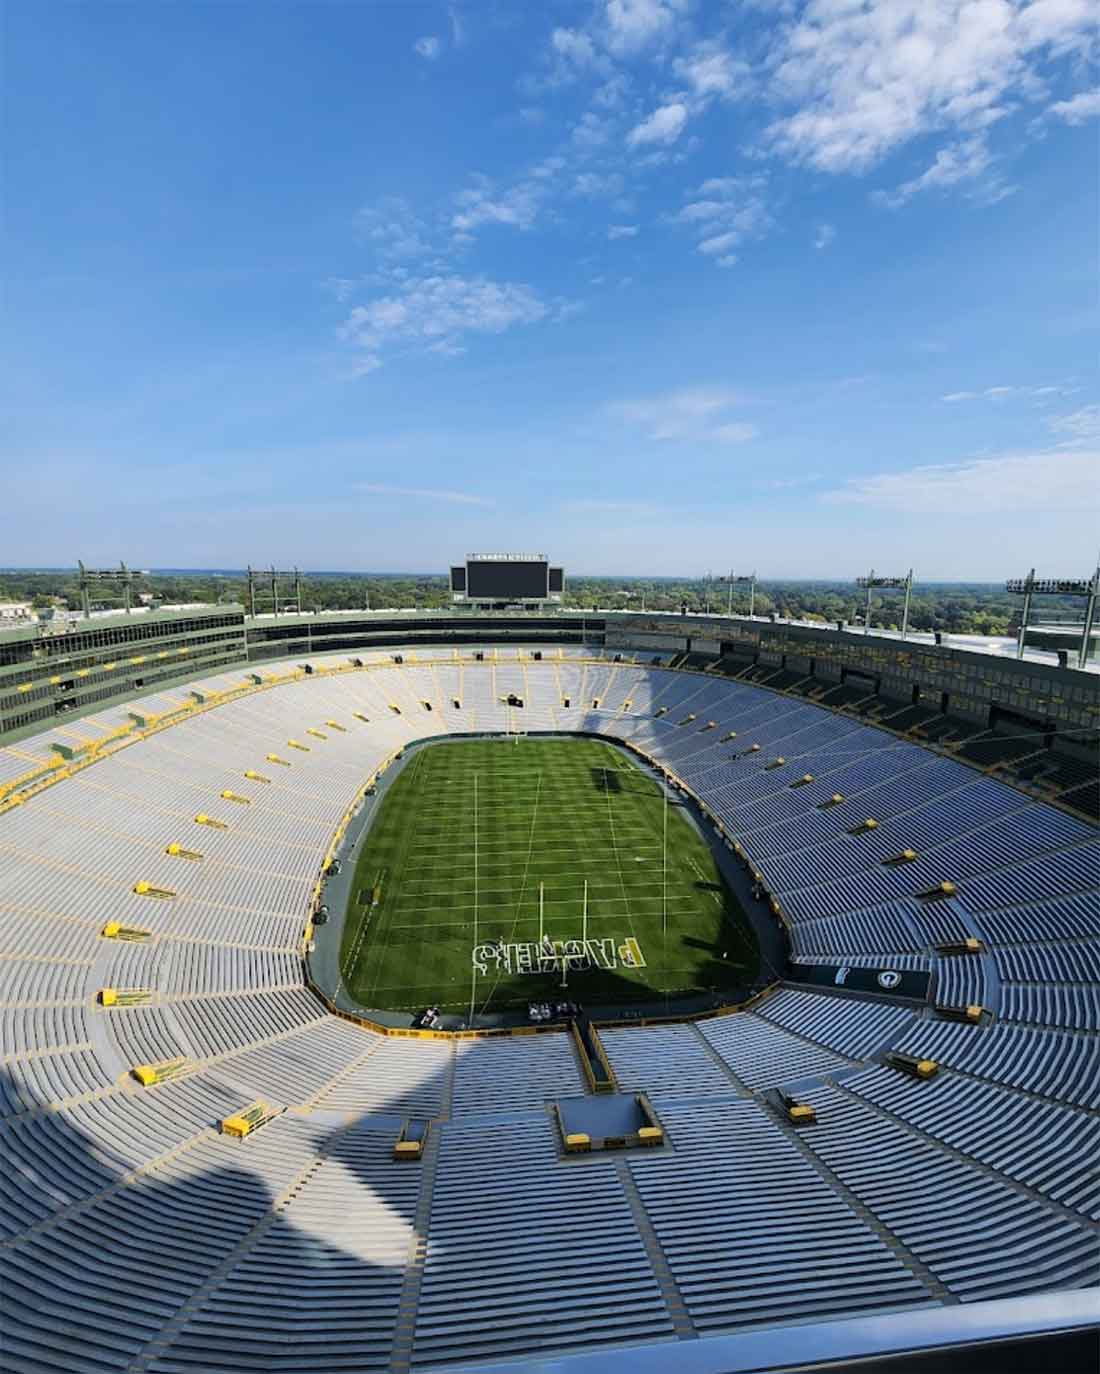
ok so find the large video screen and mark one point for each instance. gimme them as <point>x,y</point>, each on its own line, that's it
<point>458,578</point>
<point>557,579</point>
<point>500,581</point>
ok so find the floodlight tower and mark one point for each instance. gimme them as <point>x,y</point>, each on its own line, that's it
<point>750,578</point>
<point>872,583</point>
<point>1030,586</point>
<point>264,583</point>
<point>95,577</point>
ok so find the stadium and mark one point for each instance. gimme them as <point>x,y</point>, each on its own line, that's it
<point>512,987</point>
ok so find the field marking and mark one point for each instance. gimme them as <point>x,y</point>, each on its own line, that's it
<point>504,895</point>
<point>523,888</point>
<point>703,878</point>
<point>504,919</point>
<point>398,870</point>
<point>618,860</point>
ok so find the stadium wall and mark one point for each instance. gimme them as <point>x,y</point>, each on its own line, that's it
<point>48,675</point>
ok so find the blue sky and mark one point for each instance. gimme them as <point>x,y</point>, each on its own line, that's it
<point>652,285</point>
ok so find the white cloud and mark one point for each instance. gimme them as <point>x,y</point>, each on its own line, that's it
<point>591,131</point>
<point>456,498</point>
<point>664,125</point>
<point>1080,427</point>
<point>728,210</point>
<point>720,243</point>
<point>622,231</point>
<point>712,71</point>
<point>634,24</point>
<point>428,47</point>
<point>968,160</point>
<point>1048,480</point>
<point>393,230</point>
<point>595,184</point>
<point>1002,393</point>
<point>866,77</point>
<point>1084,106</point>
<point>434,313</point>
<point>690,413</point>
<point>823,236</point>
<point>516,207</point>
<point>574,46</point>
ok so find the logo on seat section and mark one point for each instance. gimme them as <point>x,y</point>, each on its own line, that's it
<point>889,978</point>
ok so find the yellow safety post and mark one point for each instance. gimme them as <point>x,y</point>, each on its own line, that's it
<point>274,758</point>
<point>906,856</point>
<point>203,819</point>
<point>177,851</point>
<point>945,889</point>
<point>775,763</point>
<point>293,743</point>
<point>144,889</point>
<point>360,716</point>
<point>334,725</point>
<point>968,946</point>
<point>803,780</point>
<point>227,795</point>
<point>148,1074</point>
<point>834,800</point>
<point>864,826</point>
<point>914,1065</point>
<point>114,930</point>
<point>316,733</point>
<point>124,997</point>
<point>247,1120</point>
<point>253,776</point>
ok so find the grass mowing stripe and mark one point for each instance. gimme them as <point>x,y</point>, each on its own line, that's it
<point>560,813</point>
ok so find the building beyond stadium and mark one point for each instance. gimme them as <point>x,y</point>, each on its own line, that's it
<point>199,1167</point>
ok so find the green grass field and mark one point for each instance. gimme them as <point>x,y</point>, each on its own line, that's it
<point>467,836</point>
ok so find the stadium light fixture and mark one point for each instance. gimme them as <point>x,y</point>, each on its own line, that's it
<point>733,580</point>
<point>873,583</point>
<point>1032,586</point>
<point>263,583</point>
<point>98,577</point>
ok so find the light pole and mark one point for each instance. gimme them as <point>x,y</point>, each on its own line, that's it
<point>871,582</point>
<point>750,578</point>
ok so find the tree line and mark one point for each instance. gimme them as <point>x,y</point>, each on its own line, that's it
<point>955,608</point>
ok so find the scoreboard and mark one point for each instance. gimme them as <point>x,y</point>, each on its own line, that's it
<point>506,578</point>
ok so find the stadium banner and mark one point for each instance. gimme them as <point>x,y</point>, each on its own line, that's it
<point>899,982</point>
<point>549,956</point>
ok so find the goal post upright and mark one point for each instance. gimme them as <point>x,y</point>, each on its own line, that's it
<point>473,961</point>
<point>664,863</point>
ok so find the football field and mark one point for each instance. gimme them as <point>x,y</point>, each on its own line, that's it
<point>498,872</point>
